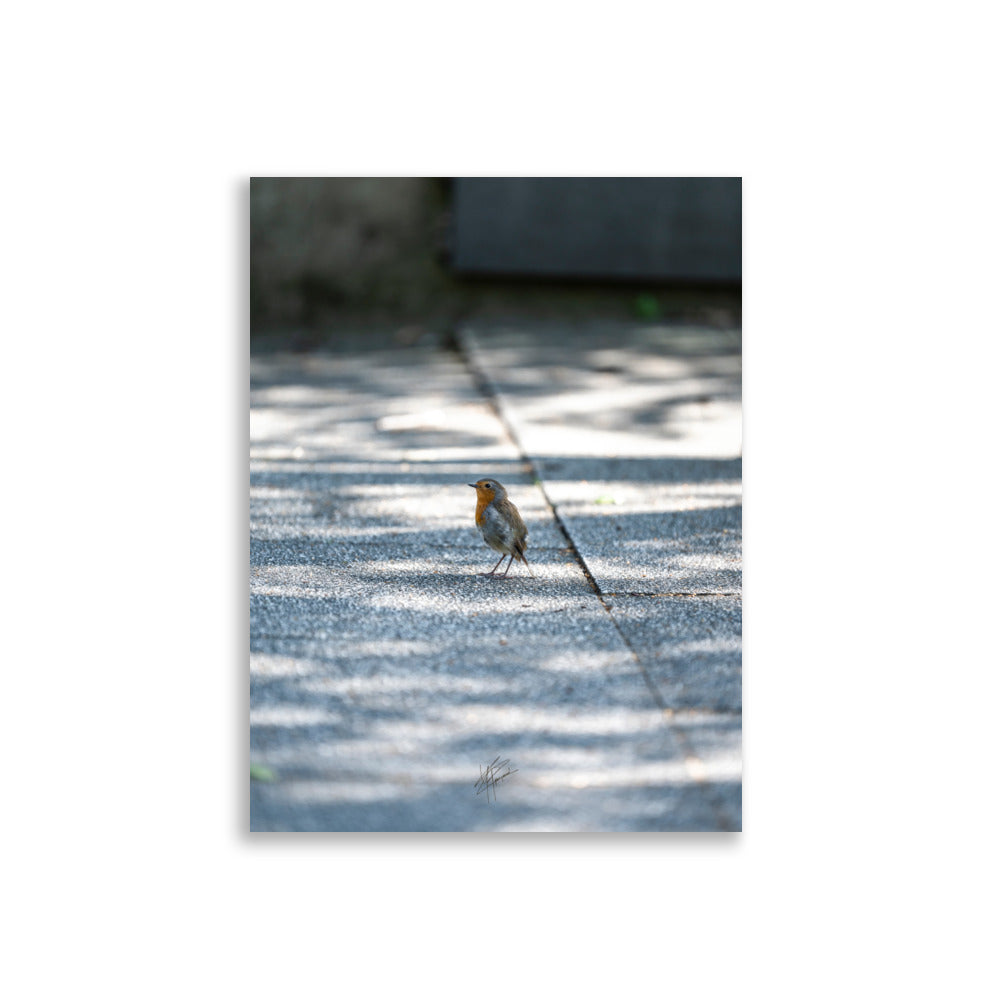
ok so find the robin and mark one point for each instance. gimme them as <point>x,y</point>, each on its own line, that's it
<point>500,523</point>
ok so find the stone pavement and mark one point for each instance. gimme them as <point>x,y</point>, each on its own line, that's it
<point>387,673</point>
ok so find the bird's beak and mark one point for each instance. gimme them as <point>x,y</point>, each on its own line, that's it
<point>473,485</point>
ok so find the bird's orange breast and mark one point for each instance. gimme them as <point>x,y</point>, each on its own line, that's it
<point>482,502</point>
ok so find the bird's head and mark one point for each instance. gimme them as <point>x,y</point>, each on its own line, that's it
<point>488,489</point>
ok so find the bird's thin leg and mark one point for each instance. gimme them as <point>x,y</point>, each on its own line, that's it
<point>492,571</point>
<point>507,570</point>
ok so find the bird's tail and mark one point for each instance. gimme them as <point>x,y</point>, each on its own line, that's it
<point>520,555</point>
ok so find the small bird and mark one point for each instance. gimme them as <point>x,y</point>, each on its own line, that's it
<point>500,523</point>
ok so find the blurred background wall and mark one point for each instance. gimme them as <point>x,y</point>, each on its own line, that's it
<point>425,251</point>
<point>647,229</point>
<point>326,246</point>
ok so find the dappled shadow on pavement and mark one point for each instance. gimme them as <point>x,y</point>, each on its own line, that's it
<point>368,685</point>
<point>386,671</point>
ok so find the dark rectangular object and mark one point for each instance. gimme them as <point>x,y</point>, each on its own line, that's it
<point>627,228</point>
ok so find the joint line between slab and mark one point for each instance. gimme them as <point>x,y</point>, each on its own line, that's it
<point>493,397</point>
<point>671,593</point>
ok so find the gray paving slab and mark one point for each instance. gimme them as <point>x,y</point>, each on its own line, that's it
<point>715,741</point>
<point>401,694</point>
<point>655,537</point>
<point>386,671</point>
<point>691,646</point>
<point>636,432</point>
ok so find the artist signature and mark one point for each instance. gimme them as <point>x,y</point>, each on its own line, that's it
<point>494,773</point>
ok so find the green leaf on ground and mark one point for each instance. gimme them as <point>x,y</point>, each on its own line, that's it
<point>647,307</point>
<point>606,499</point>
<point>260,773</point>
